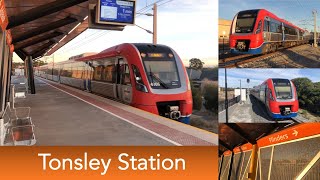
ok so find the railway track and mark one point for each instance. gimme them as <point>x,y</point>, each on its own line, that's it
<point>300,119</point>
<point>240,60</point>
<point>233,61</point>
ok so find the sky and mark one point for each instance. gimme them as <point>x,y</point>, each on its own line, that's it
<point>187,26</point>
<point>258,76</point>
<point>298,12</point>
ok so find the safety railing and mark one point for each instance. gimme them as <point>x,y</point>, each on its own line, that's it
<point>293,153</point>
<point>231,102</point>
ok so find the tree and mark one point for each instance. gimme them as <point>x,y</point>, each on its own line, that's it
<point>308,94</point>
<point>39,63</point>
<point>195,64</point>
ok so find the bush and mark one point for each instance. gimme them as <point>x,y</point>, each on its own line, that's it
<point>196,97</point>
<point>211,97</point>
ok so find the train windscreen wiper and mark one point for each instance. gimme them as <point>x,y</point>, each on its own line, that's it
<point>163,84</point>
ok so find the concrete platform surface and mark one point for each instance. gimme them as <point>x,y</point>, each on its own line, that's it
<point>63,115</point>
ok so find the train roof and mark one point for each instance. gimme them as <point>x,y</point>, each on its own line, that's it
<point>278,79</point>
<point>268,80</point>
<point>113,51</point>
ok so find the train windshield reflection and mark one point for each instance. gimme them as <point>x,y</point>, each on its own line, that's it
<point>245,22</point>
<point>283,89</point>
<point>162,74</point>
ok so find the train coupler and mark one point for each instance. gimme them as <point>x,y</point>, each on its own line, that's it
<point>285,111</point>
<point>173,112</point>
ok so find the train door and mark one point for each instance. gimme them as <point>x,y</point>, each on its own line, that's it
<point>123,82</point>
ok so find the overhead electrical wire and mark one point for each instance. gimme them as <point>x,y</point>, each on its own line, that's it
<point>98,34</point>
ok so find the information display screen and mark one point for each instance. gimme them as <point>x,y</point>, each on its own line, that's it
<point>117,12</point>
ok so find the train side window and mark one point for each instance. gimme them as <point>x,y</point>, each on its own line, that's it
<point>266,26</point>
<point>74,71</point>
<point>126,75</point>
<point>65,72</point>
<point>97,72</point>
<point>79,70</point>
<point>137,74</point>
<point>69,70</point>
<point>273,27</point>
<point>139,83</point>
<point>108,74</point>
<point>279,28</point>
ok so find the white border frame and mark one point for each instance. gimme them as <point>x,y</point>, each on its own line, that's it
<point>98,11</point>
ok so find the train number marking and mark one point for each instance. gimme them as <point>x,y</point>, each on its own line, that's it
<point>155,84</point>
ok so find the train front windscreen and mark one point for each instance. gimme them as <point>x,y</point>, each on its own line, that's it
<point>282,89</point>
<point>161,70</point>
<point>245,21</point>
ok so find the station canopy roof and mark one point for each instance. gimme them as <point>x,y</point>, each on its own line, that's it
<point>40,27</point>
<point>236,134</point>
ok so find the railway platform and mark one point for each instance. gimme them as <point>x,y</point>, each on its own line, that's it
<point>63,115</point>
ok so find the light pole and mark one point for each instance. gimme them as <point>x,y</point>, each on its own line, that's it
<point>223,34</point>
<point>155,23</point>
<point>315,44</point>
<point>240,92</point>
<point>226,91</point>
<point>248,91</point>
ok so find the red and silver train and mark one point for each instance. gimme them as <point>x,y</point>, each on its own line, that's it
<point>279,96</point>
<point>149,77</point>
<point>259,31</point>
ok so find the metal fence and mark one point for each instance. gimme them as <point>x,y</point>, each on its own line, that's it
<point>222,104</point>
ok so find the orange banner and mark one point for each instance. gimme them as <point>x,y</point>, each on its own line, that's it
<point>289,134</point>
<point>109,163</point>
<point>3,16</point>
